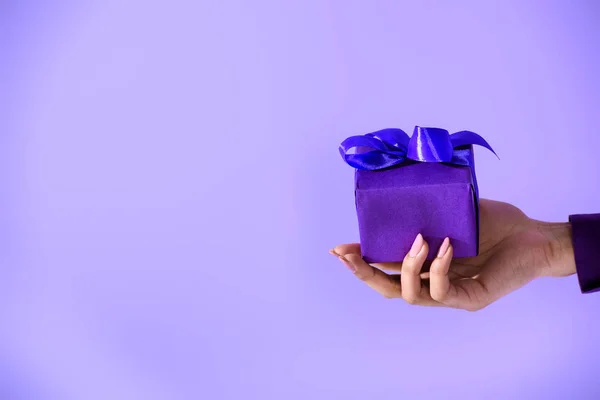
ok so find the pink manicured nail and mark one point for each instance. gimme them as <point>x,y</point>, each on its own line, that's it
<point>416,246</point>
<point>444,248</point>
<point>347,264</point>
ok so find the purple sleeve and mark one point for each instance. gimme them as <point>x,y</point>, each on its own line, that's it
<point>586,246</point>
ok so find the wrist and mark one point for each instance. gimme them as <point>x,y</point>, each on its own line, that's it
<point>558,256</point>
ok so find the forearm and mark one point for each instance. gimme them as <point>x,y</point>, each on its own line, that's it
<point>586,249</point>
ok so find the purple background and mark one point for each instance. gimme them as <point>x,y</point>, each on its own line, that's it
<point>171,186</point>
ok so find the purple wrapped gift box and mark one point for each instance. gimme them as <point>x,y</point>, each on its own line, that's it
<point>405,186</point>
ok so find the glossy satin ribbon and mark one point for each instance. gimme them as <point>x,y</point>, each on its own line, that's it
<point>391,147</point>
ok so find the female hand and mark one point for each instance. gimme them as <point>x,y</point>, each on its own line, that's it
<point>514,250</point>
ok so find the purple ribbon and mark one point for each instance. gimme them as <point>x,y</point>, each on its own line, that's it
<point>392,147</point>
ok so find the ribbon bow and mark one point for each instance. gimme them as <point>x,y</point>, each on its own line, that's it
<point>391,147</point>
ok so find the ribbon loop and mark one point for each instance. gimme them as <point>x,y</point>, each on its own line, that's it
<point>391,147</point>
<point>377,150</point>
<point>430,145</point>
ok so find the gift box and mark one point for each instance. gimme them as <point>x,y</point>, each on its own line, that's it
<point>409,185</point>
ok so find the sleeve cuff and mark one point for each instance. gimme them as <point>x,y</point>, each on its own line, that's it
<point>586,248</point>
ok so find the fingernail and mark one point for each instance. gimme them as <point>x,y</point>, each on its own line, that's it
<point>416,246</point>
<point>347,263</point>
<point>333,253</point>
<point>444,248</point>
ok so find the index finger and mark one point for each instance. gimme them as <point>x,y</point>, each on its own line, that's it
<point>350,248</point>
<point>354,248</point>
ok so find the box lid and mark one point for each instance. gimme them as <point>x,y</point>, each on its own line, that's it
<point>416,174</point>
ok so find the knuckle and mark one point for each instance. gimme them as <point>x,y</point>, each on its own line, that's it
<point>360,275</point>
<point>411,267</point>
<point>437,269</point>
<point>438,296</point>
<point>365,275</point>
<point>474,307</point>
<point>392,293</point>
<point>436,274</point>
<point>411,299</point>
